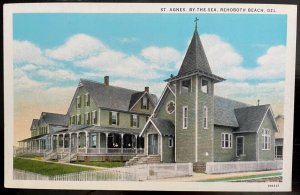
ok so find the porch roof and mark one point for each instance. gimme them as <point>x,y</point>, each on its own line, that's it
<point>79,128</point>
<point>33,138</point>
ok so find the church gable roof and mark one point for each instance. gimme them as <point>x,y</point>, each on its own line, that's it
<point>224,111</point>
<point>250,118</point>
<point>166,127</point>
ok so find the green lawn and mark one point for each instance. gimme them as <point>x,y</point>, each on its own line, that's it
<point>250,177</point>
<point>46,168</point>
<point>106,164</point>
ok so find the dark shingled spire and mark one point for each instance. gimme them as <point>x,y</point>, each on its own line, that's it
<point>195,58</point>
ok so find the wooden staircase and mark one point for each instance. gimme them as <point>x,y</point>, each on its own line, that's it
<point>143,159</point>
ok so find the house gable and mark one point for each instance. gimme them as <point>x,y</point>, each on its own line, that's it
<point>136,102</point>
<point>161,111</point>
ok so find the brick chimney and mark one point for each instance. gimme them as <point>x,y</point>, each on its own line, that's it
<point>147,89</point>
<point>106,80</point>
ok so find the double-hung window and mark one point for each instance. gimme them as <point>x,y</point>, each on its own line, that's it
<point>266,134</point>
<point>78,102</point>
<point>94,117</point>
<point>134,120</point>
<point>226,141</point>
<point>113,118</point>
<point>78,119</point>
<point>87,99</point>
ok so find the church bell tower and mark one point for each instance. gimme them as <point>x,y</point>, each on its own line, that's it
<point>194,101</point>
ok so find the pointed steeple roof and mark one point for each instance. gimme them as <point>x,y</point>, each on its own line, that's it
<point>195,61</point>
<point>195,58</point>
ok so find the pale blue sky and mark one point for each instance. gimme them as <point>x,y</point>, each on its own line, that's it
<point>55,50</point>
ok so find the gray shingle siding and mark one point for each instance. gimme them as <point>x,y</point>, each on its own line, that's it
<point>185,138</point>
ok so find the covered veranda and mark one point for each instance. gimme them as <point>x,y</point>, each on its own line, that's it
<point>97,140</point>
<point>33,145</point>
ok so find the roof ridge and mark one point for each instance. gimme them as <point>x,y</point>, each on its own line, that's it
<point>53,113</point>
<point>232,100</point>
<point>253,106</point>
<point>109,85</point>
<point>115,86</point>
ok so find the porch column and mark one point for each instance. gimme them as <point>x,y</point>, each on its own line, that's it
<point>63,142</point>
<point>99,142</point>
<point>39,145</point>
<point>122,142</point>
<point>136,142</point>
<point>51,142</point>
<point>57,141</point>
<point>86,142</point>
<point>77,141</point>
<point>106,138</point>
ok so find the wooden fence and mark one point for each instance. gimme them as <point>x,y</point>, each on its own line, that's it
<point>129,173</point>
<point>242,166</point>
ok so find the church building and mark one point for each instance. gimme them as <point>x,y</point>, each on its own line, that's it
<point>191,124</point>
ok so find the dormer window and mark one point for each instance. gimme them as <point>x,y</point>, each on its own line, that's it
<point>204,86</point>
<point>87,99</point>
<point>145,102</point>
<point>186,86</point>
<point>78,102</point>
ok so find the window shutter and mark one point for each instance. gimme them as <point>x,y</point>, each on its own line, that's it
<point>131,120</point>
<point>118,118</point>
<point>96,117</point>
<point>148,103</point>
<point>84,100</point>
<point>138,121</point>
<point>76,119</point>
<point>80,118</point>
<point>88,100</point>
<point>84,119</point>
<point>110,116</point>
<point>80,101</point>
<point>70,120</point>
<point>90,118</point>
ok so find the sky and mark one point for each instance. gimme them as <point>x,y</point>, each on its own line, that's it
<point>51,52</point>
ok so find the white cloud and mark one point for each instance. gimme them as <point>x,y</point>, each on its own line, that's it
<point>77,47</point>
<point>23,83</point>
<point>26,52</point>
<point>139,85</point>
<point>29,67</point>
<point>119,64</point>
<point>267,92</point>
<point>165,57</point>
<point>272,63</point>
<point>58,74</point>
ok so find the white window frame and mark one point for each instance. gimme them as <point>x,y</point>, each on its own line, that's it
<point>78,102</point>
<point>77,119</point>
<point>223,141</point>
<point>171,140</point>
<point>205,117</point>
<point>134,120</point>
<point>185,122</point>
<point>92,141</point>
<point>93,117</point>
<point>207,89</point>
<point>86,99</point>
<point>86,118</point>
<point>266,134</point>
<point>145,102</point>
<point>113,113</point>
<point>237,143</point>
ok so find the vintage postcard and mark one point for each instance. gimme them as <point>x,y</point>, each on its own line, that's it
<point>149,96</point>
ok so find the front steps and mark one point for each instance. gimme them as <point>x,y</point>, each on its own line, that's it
<point>143,159</point>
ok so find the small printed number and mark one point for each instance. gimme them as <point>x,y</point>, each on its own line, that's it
<point>273,185</point>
